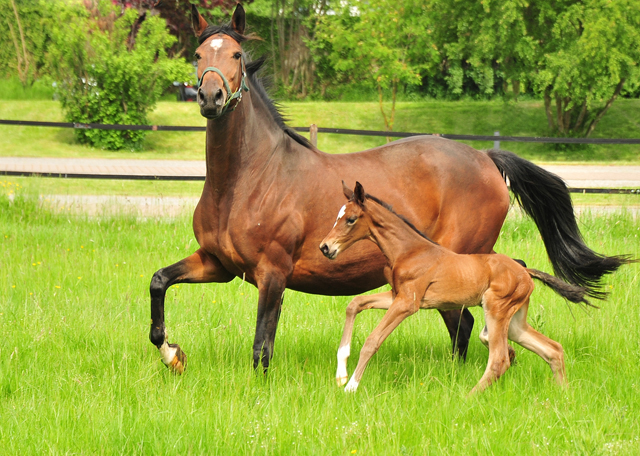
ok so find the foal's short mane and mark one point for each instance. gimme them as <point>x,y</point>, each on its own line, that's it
<point>401,217</point>
<point>257,84</point>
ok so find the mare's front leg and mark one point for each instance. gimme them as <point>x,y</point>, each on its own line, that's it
<point>271,285</point>
<point>357,305</point>
<point>400,309</point>
<point>200,267</point>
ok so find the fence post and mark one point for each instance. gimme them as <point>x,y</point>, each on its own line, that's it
<point>496,144</point>
<point>313,135</point>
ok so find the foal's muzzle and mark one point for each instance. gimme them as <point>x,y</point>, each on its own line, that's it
<point>328,252</point>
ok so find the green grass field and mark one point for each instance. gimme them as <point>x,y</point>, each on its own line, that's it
<point>525,118</point>
<point>79,376</point>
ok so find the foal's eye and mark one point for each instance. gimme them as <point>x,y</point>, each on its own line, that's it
<point>237,55</point>
<point>351,220</point>
<point>198,56</point>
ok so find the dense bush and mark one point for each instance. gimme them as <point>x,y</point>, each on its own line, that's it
<point>112,69</point>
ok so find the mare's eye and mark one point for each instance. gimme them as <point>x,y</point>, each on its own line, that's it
<point>198,56</point>
<point>237,55</point>
<point>351,220</point>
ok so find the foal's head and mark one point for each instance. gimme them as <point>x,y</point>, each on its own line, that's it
<point>351,226</point>
<point>221,70</point>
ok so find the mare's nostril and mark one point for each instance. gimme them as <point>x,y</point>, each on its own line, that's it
<point>200,95</point>
<point>324,248</point>
<point>218,99</point>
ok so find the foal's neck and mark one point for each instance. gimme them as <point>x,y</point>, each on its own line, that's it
<point>393,235</point>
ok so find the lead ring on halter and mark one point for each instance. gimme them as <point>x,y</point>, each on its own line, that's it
<point>237,94</point>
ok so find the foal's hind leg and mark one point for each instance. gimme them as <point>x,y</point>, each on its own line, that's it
<point>548,349</point>
<point>197,268</point>
<point>357,305</point>
<point>484,338</point>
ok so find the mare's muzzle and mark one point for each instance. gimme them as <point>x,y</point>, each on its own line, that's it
<point>216,101</point>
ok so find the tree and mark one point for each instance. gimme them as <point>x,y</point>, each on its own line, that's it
<point>24,38</point>
<point>578,55</point>
<point>111,67</point>
<point>375,43</point>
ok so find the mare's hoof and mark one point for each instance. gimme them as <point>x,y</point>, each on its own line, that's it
<point>341,380</point>
<point>512,356</point>
<point>179,363</point>
<point>173,357</point>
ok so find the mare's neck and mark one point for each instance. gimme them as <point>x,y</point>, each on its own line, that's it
<point>242,140</point>
<point>394,236</point>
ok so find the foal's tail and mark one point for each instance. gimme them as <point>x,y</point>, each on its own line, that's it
<point>573,293</point>
<point>545,198</point>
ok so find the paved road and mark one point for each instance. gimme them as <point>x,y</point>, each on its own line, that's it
<point>576,176</point>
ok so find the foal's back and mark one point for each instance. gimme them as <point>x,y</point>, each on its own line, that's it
<point>452,280</point>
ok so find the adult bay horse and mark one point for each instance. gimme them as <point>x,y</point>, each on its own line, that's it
<point>269,197</point>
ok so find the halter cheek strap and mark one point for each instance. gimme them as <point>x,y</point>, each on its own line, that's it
<point>231,96</point>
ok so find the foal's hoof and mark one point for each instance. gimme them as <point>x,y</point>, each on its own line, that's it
<point>341,380</point>
<point>512,355</point>
<point>173,357</point>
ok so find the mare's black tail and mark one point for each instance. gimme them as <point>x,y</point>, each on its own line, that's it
<point>545,198</point>
<point>573,293</point>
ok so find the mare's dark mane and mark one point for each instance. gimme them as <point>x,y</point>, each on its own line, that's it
<point>401,217</point>
<point>257,84</point>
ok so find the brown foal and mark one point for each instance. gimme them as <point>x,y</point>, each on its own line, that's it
<point>424,274</point>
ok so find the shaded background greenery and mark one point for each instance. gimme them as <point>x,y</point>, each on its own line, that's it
<point>576,58</point>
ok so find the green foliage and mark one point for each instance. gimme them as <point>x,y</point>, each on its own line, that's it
<point>579,55</point>
<point>112,70</point>
<point>375,43</point>
<point>24,38</point>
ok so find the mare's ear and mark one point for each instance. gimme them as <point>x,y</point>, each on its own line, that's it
<point>197,21</point>
<point>347,191</point>
<point>359,194</point>
<point>238,19</point>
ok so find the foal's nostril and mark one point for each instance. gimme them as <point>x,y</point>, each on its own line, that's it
<point>324,248</point>
<point>200,95</point>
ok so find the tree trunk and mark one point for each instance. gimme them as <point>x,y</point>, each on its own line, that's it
<point>23,61</point>
<point>547,108</point>
<point>559,116</point>
<point>595,121</point>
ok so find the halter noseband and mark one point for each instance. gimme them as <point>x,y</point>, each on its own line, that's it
<point>237,94</point>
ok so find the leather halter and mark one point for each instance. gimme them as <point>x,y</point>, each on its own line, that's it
<point>230,96</point>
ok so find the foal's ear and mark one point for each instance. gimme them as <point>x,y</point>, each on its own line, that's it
<point>197,21</point>
<point>359,194</point>
<point>238,19</point>
<point>347,191</point>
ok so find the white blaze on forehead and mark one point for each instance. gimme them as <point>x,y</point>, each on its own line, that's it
<point>340,214</point>
<point>216,44</point>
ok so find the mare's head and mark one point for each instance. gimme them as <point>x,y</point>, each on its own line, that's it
<point>221,70</point>
<point>351,225</point>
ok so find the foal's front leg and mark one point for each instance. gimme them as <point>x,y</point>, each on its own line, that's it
<point>358,304</point>
<point>200,267</point>
<point>400,309</point>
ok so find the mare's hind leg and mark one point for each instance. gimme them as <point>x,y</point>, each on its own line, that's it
<point>357,305</point>
<point>459,324</point>
<point>200,267</point>
<point>548,349</point>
